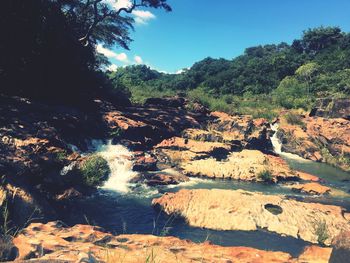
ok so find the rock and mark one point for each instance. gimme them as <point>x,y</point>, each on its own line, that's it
<point>315,254</point>
<point>248,211</point>
<point>145,163</point>
<point>253,134</point>
<point>311,188</point>
<point>247,165</point>
<point>332,108</point>
<point>307,177</point>
<point>52,242</point>
<point>320,139</point>
<point>166,177</point>
<point>341,248</point>
<point>204,147</point>
<point>70,193</point>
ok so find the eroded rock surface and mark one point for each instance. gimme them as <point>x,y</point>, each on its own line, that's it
<point>242,210</point>
<point>52,241</point>
<point>318,139</point>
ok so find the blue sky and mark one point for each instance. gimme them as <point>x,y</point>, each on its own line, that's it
<point>223,28</point>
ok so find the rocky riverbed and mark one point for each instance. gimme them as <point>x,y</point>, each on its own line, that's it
<point>160,147</point>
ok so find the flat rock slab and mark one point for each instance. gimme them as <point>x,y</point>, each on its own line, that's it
<point>241,210</point>
<point>52,243</point>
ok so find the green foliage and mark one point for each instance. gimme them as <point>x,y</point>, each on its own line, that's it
<point>321,231</point>
<point>61,156</point>
<point>265,176</point>
<point>259,82</point>
<point>294,119</point>
<point>291,93</point>
<point>94,171</point>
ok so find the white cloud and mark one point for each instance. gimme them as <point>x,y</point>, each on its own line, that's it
<point>138,60</point>
<point>122,57</point>
<point>112,67</point>
<point>117,4</point>
<point>142,16</point>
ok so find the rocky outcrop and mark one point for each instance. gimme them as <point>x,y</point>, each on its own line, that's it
<point>243,130</point>
<point>318,139</point>
<point>332,108</point>
<point>248,211</point>
<point>83,243</point>
<point>201,158</point>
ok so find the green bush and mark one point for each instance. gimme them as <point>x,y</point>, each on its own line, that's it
<point>94,171</point>
<point>321,231</point>
<point>294,119</point>
<point>265,176</point>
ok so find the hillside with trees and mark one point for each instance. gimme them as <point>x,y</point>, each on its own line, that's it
<point>282,75</point>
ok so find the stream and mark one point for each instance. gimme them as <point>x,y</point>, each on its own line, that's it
<point>124,208</point>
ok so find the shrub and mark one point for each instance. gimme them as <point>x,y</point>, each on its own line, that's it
<point>94,171</point>
<point>265,176</point>
<point>294,119</point>
<point>321,231</point>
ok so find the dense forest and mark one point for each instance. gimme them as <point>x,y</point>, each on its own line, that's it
<point>259,81</point>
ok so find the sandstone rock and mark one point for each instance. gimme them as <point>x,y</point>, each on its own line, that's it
<point>311,188</point>
<point>248,211</point>
<point>193,146</point>
<point>253,134</point>
<point>246,165</point>
<point>321,139</point>
<point>307,177</point>
<point>315,254</point>
<point>51,242</point>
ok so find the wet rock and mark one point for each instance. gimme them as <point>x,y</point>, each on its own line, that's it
<point>166,177</point>
<point>248,211</point>
<point>311,188</point>
<point>52,242</point>
<point>144,162</point>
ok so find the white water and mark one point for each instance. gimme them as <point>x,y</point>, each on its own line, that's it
<point>277,146</point>
<point>120,163</point>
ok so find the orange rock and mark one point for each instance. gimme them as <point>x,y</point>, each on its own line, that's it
<point>307,177</point>
<point>315,254</point>
<point>51,241</point>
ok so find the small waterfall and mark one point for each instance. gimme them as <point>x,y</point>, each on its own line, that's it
<point>119,161</point>
<point>277,146</point>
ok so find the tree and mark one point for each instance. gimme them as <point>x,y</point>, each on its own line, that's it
<point>49,48</point>
<point>316,39</point>
<point>103,20</point>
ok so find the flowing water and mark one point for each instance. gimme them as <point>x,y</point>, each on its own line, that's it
<point>122,207</point>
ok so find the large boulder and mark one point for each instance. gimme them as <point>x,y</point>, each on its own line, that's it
<point>248,211</point>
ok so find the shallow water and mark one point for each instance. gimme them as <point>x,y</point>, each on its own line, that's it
<point>126,208</point>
